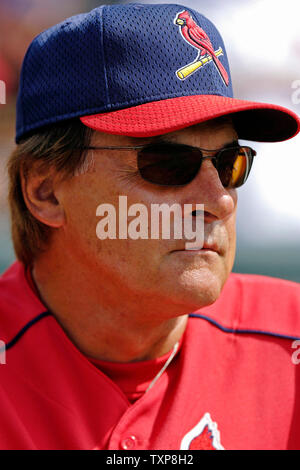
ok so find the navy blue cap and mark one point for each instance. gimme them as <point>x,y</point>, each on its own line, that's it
<point>139,70</point>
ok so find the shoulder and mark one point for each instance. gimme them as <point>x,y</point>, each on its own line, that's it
<point>256,291</point>
<point>259,304</point>
<point>265,293</point>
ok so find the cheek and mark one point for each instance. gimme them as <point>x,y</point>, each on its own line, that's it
<point>231,233</point>
<point>80,197</point>
<point>124,257</point>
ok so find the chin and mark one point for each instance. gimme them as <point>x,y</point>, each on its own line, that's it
<point>197,290</point>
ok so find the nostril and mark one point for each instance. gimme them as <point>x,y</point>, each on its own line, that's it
<point>207,216</point>
<point>197,213</point>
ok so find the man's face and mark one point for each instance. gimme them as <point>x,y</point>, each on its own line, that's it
<point>161,271</point>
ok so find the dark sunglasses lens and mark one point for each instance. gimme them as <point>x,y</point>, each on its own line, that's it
<point>234,165</point>
<point>169,165</point>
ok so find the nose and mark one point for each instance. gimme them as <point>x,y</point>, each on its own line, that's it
<point>206,188</point>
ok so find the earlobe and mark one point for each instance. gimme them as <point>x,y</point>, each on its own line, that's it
<point>40,198</point>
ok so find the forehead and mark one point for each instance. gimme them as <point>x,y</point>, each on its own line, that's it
<point>215,131</point>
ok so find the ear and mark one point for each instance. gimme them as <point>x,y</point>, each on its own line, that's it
<point>39,192</point>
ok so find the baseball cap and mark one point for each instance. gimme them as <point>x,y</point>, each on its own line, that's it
<point>138,70</point>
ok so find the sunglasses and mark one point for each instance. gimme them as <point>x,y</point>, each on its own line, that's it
<point>170,164</point>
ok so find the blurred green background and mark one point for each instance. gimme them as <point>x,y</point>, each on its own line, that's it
<point>263,45</point>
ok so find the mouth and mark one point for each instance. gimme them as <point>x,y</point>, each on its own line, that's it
<point>207,247</point>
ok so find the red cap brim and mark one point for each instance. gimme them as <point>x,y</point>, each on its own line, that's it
<point>260,122</point>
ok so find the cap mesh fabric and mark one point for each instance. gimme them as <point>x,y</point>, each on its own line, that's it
<point>150,50</point>
<point>123,58</point>
<point>62,73</point>
<point>252,121</point>
<point>111,58</point>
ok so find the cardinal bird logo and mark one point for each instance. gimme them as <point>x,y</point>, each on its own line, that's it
<point>197,37</point>
<point>204,436</point>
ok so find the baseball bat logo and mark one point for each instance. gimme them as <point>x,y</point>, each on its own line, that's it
<point>197,37</point>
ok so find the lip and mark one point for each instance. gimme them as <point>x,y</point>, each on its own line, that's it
<point>212,247</point>
<point>206,248</point>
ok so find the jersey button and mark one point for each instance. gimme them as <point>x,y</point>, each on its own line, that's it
<point>128,443</point>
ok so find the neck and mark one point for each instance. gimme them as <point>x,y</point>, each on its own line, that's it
<point>105,322</point>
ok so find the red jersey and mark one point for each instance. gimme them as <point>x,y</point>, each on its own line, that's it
<point>233,384</point>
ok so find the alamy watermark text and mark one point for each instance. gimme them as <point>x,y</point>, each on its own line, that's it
<point>177,223</point>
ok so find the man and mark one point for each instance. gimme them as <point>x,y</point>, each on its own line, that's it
<point>139,342</point>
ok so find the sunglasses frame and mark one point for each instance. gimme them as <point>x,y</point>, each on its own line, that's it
<point>213,157</point>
